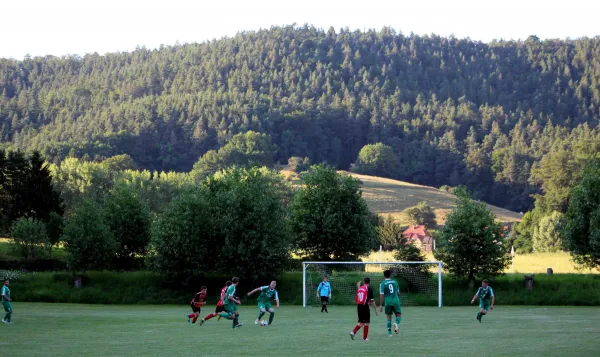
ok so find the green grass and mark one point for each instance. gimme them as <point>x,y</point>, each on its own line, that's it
<point>94,330</point>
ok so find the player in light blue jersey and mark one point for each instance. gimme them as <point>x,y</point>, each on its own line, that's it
<point>324,292</point>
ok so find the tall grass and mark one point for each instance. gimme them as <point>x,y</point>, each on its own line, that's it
<point>147,288</point>
<point>535,263</point>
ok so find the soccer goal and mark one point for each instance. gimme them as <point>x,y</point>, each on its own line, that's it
<point>420,282</point>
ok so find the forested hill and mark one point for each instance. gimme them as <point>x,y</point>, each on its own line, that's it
<point>455,111</point>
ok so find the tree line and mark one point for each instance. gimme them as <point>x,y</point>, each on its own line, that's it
<point>454,111</point>
<point>247,219</point>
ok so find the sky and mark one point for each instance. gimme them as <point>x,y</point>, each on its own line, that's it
<point>78,27</point>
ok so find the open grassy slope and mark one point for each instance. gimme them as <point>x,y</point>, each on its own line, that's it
<point>391,197</point>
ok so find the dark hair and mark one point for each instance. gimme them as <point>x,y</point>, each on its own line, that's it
<point>367,280</point>
<point>485,281</point>
<point>235,280</point>
<point>228,283</point>
<point>325,277</point>
<point>203,288</point>
<point>387,273</point>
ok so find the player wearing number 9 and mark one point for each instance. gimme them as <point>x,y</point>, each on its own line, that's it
<point>390,291</point>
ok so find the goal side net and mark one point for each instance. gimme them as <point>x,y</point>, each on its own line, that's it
<point>420,282</point>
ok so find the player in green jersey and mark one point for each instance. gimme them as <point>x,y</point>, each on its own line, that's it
<point>390,290</point>
<point>486,299</point>
<point>267,293</point>
<point>230,303</point>
<point>6,302</point>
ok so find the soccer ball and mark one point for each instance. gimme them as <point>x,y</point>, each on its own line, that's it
<point>263,323</point>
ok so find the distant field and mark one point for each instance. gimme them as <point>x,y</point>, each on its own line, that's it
<point>391,197</point>
<point>523,263</point>
<point>115,330</point>
<point>387,196</point>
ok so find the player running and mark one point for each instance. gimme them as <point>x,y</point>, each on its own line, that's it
<point>364,298</point>
<point>324,292</point>
<point>230,304</point>
<point>485,294</point>
<point>391,291</point>
<point>196,304</point>
<point>220,304</point>
<point>6,302</point>
<point>264,301</point>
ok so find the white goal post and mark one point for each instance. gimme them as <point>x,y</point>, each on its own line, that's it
<point>420,282</point>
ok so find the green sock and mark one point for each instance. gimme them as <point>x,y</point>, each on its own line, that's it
<point>398,319</point>
<point>260,315</point>
<point>225,315</point>
<point>479,316</point>
<point>389,325</point>
<point>235,322</point>
<point>271,317</point>
<point>7,317</point>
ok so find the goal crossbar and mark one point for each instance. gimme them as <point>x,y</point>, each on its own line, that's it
<point>306,264</point>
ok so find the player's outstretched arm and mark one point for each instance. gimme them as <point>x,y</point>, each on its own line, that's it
<point>254,291</point>
<point>492,305</point>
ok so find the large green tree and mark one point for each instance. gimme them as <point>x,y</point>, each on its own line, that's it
<point>471,243</point>
<point>547,235</point>
<point>129,221</point>
<point>250,206</point>
<point>329,218</point>
<point>88,240</point>
<point>184,240</point>
<point>377,160</point>
<point>421,214</point>
<point>581,232</point>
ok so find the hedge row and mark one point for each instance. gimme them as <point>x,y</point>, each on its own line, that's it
<point>147,288</point>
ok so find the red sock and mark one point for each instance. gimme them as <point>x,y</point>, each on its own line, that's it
<point>365,332</point>
<point>356,328</point>
<point>191,315</point>
<point>195,319</point>
<point>209,316</point>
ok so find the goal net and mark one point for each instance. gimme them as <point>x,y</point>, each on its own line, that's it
<point>420,282</point>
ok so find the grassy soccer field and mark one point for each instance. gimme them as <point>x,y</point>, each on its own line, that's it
<point>101,330</point>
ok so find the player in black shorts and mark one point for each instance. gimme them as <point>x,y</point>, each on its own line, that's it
<point>364,298</point>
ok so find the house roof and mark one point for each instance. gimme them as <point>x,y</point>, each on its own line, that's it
<point>417,232</point>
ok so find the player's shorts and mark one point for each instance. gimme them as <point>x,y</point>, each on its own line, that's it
<point>230,308</point>
<point>195,308</point>
<point>364,314</point>
<point>484,305</point>
<point>324,298</point>
<point>393,308</point>
<point>7,306</point>
<point>220,308</point>
<point>267,306</point>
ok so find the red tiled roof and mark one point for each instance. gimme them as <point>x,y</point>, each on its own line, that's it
<point>417,232</point>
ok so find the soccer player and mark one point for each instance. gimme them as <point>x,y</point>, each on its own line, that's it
<point>6,302</point>
<point>220,304</point>
<point>391,291</point>
<point>196,304</point>
<point>230,303</point>
<point>264,301</point>
<point>485,294</point>
<point>364,298</point>
<point>324,291</point>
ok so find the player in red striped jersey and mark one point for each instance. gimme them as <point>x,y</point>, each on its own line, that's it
<point>196,304</point>
<point>220,307</point>
<point>364,298</point>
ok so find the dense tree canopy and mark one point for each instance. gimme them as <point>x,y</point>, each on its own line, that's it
<point>453,110</point>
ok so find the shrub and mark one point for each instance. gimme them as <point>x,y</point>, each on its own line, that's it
<point>29,235</point>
